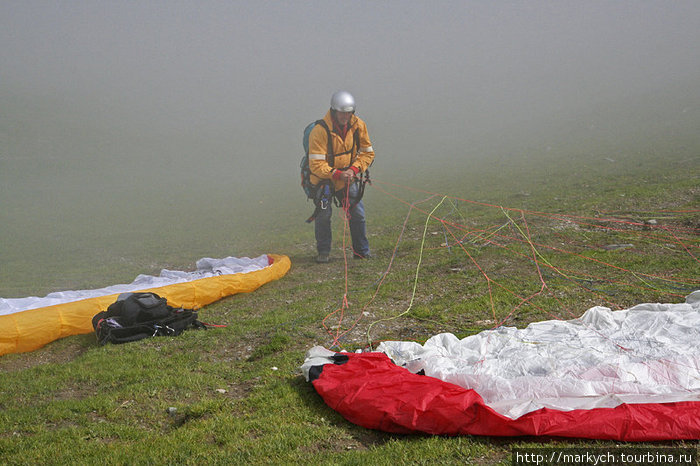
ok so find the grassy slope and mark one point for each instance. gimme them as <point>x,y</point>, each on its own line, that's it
<point>75,402</point>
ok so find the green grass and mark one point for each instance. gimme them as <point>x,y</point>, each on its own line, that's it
<point>237,392</point>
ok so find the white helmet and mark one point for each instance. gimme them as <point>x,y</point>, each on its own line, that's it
<point>343,101</point>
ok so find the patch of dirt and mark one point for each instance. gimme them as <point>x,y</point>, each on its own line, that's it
<point>359,440</point>
<point>58,352</point>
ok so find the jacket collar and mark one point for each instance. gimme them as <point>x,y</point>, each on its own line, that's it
<point>351,124</point>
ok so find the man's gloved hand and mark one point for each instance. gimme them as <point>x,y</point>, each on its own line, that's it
<point>346,175</point>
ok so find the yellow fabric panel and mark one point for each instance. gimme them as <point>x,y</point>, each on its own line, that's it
<point>30,330</point>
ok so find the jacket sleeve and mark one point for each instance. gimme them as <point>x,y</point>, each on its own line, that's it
<point>318,148</point>
<point>365,154</point>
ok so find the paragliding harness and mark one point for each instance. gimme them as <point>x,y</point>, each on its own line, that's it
<point>323,193</point>
<point>135,316</point>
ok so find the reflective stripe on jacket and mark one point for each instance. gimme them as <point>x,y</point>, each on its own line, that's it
<point>345,154</point>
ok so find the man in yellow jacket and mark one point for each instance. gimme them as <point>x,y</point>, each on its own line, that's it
<point>351,154</point>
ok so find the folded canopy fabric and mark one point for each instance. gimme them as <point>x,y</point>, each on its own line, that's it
<point>626,375</point>
<point>27,324</point>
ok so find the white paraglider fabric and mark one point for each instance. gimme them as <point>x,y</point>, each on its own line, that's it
<point>206,268</point>
<point>649,353</point>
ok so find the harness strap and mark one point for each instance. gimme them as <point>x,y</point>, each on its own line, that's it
<point>363,180</point>
<point>323,195</point>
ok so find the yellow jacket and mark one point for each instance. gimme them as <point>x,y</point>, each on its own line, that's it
<point>346,154</point>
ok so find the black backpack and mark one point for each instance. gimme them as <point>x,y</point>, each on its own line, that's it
<point>135,316</point>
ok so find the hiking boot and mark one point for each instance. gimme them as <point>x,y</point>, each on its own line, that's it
<point>361,256</point>
<point>322,258</point>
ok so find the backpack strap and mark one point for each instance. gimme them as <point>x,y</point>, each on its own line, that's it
<point>330,157</point>
<point>355,145</point>
<point>354,150</point>
<point>323,191</point>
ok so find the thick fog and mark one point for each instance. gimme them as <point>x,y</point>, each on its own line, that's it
<point>211,95</point>
<point>232,83</point>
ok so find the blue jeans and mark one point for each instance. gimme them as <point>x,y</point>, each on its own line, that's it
<point>324,236</point>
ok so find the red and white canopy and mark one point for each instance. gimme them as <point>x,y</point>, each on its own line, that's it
<point>627,375</point>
